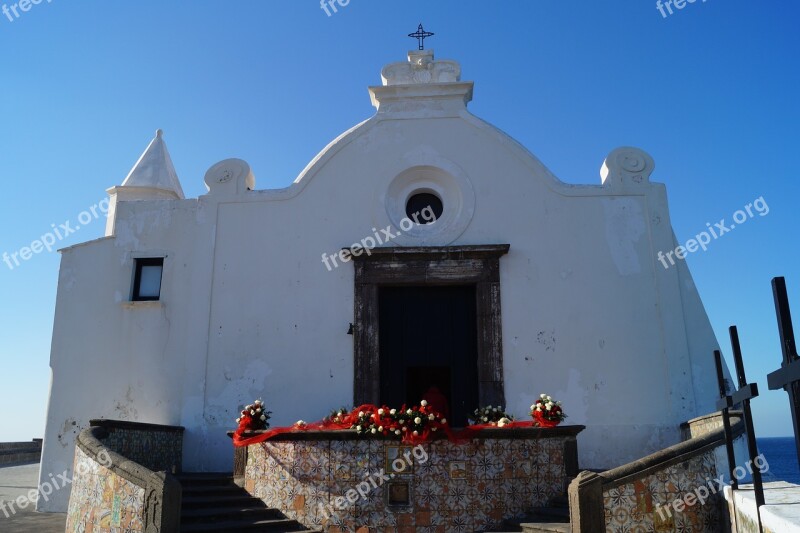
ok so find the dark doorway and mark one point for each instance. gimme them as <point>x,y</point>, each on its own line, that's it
<point>428,338</point>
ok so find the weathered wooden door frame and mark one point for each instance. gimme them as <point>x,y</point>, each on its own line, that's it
<point>448,265</point>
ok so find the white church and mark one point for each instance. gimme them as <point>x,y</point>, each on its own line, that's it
<point>422,247</point>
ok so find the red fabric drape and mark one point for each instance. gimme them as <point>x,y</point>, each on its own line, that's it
<point>384,420</point>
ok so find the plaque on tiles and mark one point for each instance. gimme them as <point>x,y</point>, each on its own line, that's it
<point>458,469</point>
<point>398,494</point>
<point>399,460</point>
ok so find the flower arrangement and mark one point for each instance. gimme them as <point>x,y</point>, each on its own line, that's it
<point>405,423</point>
<point>254,417</point>
<point>495,416</point>
<point>337,416</point>
<point>547,412</point>
<point>412,425</point>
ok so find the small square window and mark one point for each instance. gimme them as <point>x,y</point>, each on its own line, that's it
<point>147,279</point>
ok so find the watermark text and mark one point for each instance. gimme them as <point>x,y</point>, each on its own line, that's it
<point>17,9</point>
<point>380,237</point>
<point>47,488</point>
<point>712,486</point>
<point>703,239</point>
<point>56,234</point>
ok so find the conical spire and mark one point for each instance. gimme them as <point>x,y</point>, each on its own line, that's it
<point>154,169</point>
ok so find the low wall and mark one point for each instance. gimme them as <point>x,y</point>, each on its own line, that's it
<point>674,489</point>
<point>111,492</point>
<point>20,452</point>
<point>779,514</point>
<point>333,480</point>
<point>703,425</point>
<point>102,500</point>
<point>155,447</point>
<point>645,501</point>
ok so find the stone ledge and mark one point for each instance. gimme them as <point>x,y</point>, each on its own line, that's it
<point>35,444</point>
<point>350,434</point>
<point>709,417</point>
<point>91,442</point>
<point>478,251</point>
<point>20,452</point>
<point>669,456</point>
<point>141,426</point>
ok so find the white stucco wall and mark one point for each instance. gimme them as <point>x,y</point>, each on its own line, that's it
<point>249,310</point>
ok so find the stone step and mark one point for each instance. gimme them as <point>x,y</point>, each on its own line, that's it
<point>205,478</point>
<point>212,490</point>
<point>228,514</point>
<point>213,503</point>
<point>228,500</point>
<point>546,527</point>
<point>276,526</point>
<point>552,514</point>
<point>554,518</point>
<point>542,514</point>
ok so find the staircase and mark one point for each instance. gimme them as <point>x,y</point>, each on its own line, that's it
<point>553,518</point>
<point>212,502</point>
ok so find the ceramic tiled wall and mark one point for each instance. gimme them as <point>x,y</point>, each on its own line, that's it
<point>102,500</point>
<point>451,487</point>
<point>155,450</point>
<point>644,505</point>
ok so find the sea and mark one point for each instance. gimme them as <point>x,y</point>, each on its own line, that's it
<point>781,455</point>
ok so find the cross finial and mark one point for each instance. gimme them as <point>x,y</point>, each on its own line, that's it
<point>420,35</point>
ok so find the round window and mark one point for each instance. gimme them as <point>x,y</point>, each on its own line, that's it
<point>424,208</point>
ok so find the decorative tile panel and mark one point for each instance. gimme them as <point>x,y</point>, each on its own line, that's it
<point>153,449</point>
<point>343,485</point>
<point>103,501</point>
<point>647,504</point>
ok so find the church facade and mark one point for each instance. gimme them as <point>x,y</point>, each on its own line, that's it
<point>422,248</point>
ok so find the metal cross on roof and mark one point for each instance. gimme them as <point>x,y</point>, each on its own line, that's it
<point>420,35</point>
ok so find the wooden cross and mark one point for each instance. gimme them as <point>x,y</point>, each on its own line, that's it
<point>420,35</point>
<point>788,377</point>
<point>723,405</point>
<point>746,392</point>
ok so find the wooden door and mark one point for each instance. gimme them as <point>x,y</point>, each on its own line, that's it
<point>428,338</point>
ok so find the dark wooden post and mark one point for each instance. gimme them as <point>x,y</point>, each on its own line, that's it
<point>788,377</point>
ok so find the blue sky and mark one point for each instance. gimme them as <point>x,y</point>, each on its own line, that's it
<point>710,92</point>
